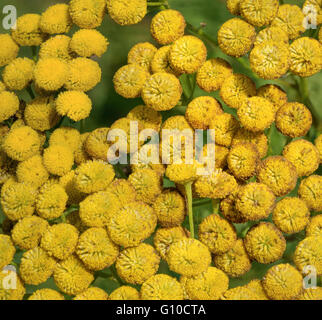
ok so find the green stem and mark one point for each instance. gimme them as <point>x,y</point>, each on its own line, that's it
<point>201,202</point>
<point>71,209</point>
<point>188,190</point>
<point>31,93</point>
<point>216,205</point>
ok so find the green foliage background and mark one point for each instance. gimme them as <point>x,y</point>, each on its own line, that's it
<point>108,106</point>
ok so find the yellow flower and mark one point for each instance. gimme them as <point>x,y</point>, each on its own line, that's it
<point>259,13</point>
<point>318,145</point>
<point>58,159</point>
<point>81,154</point>
<point>236,37</point>
<point>290,18</point>
<point>274,34</point>
<point>126,13</point>
<point>92,293</point>
<point>217,234</point>
<point>237,88</point>
<point>161,63</point>
<point>311,294</point>
<point>9,105</point>
<point>167,26</point>
<point>27,31</point>
<point>18,73</point>
<point>28,231</point>
<point>265,243</point>
<point>9,49</point>
<point>56,19</point>
<point>124,293</point>
<point>68,182</point>
<point>137,264</point>
<point>282,282</point>
<point>132,224</point>
<point>56,47</point>
<point>270,59</point>
<point>83,74</point>
<point>40,113</point>
<point>311,192</point>
<point>255,201</point>
<point>279,174</point>
<point>93,176</point>
<point>51,201</point>
<point>314,227</point>
<point>165,237</point>
<point>182,173</point>
<point>66,136</point>
<point>96,144</point>
<point>129,80</point>
<point>188,257</point>
<point>36,266</point>
<point>87,14</point>
<point>239,293</point>
<point>233,6</point>
<point>274,94</point>
<point>142,54</point>
<point>257,288</point>
<point>7,252</point>
<point>9,294</point>
<point>71,276</point>
<point>187,54</point>
<point>123,190</point>
<point>235,262</point>
<point>161,91</point>
<point>46,294</point>
<point>88,42</point>
<point>161,287</point>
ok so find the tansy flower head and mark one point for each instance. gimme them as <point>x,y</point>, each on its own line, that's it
<point>233,6</point>
<point>96,250</point>
<point>96,144</point>
<point>274,34</point>
<point>274,94</point>
<point>123,190</point>
<point>311,294</point>
<point>314,228</point>
<point>46,294</point>
<point>9,49</point>
<point>237,88</point>
<point>239,293</point>
<point>278,174</point>
<point>229,211</point>
<point>318,145</point>
<point>125,293</point>
<point>311,192</point>
<point>36,266</point>
<point>56,19</point>
<point>68,182</point>
<point>167,26</point>
<point>132,224</point>
<point>88,42</point>
<point>257,288</point>
<point>161,287</point>
<point>71,276</point>
<point>83,74</point>
<point>65,136</point>
<point>27,31</point>
<point>129,80</point>
<point>217,234</point>
<point>18,73</point>
<point>176,122</point>
<point>7,252</point>
<point>142,54</point>
<point>161,63</point>
<point>188,257</point>
<point>187,54</point>
<point>265,243</point>
<point>9,105</point>
<point>10,294</point>
<point>235,262</point>
<point>81,154</point>
<point>40,113</point>
<point>182,173</point>
<point>92,293</point>
<point>28,231</point>
<point>137,264</point>
<point>87,14</point>
<point>291,215</point>
<point>125,13</point>
<point>56,47</point>
<point>282,282</point>
<point>236,37</point>
<point>161,91</point>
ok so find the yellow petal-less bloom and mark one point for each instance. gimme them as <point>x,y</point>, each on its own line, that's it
<point>161,91</point>
<point>137,264</point>
<point>182,173</point>
<point>123,190</point>
<point>239,293</point>
<point>71,276</point>
<point>310,191</point>
<point>18,73</point>
<point>60,240</point>
<point>161,287</point>
<point>161,63</point>
<point>257,288</point>
<point>167,26</point>
<point>318,145</point>
<point>87,14</point>
<point>314,228</point>
<point>187,54</point>
<point>274,34</point>
<point>7,252</point>
<point>56,47</point>
<point>125,13</point>
<point>265,243</point>
<point>188,257</point>
<point>270,60</point>
<point>290,18</point>
<point>150,119</point>
<point>9,49</point>
<point>65,136</point>
<point>28,231</point>
<point>278,174</point>
<point>259,13</point>
<point>237,88</point>
<point>306,56</point>
<point>27,31</point>
<point>229,211</point>
<point>282,282</point>
<point>233,6</point>
<point>236,37</point>
<point>81,154</point>
<point>217,234</point>
<point>129,80</point>
<point>142,54</point>
<point>291,215</point>
<point>235,262</point>
<point>125,293</point>
<point>9,105</point>
<point>56,19</point>
<point>9,294</point>
<point>88,42</point>
<point>92,293</point>
<point>46,294</point>
<point>96,144</point>
<point>36,266</point>
<point>68,182</point>
<point>311,294</point>
<point>274,94</point>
